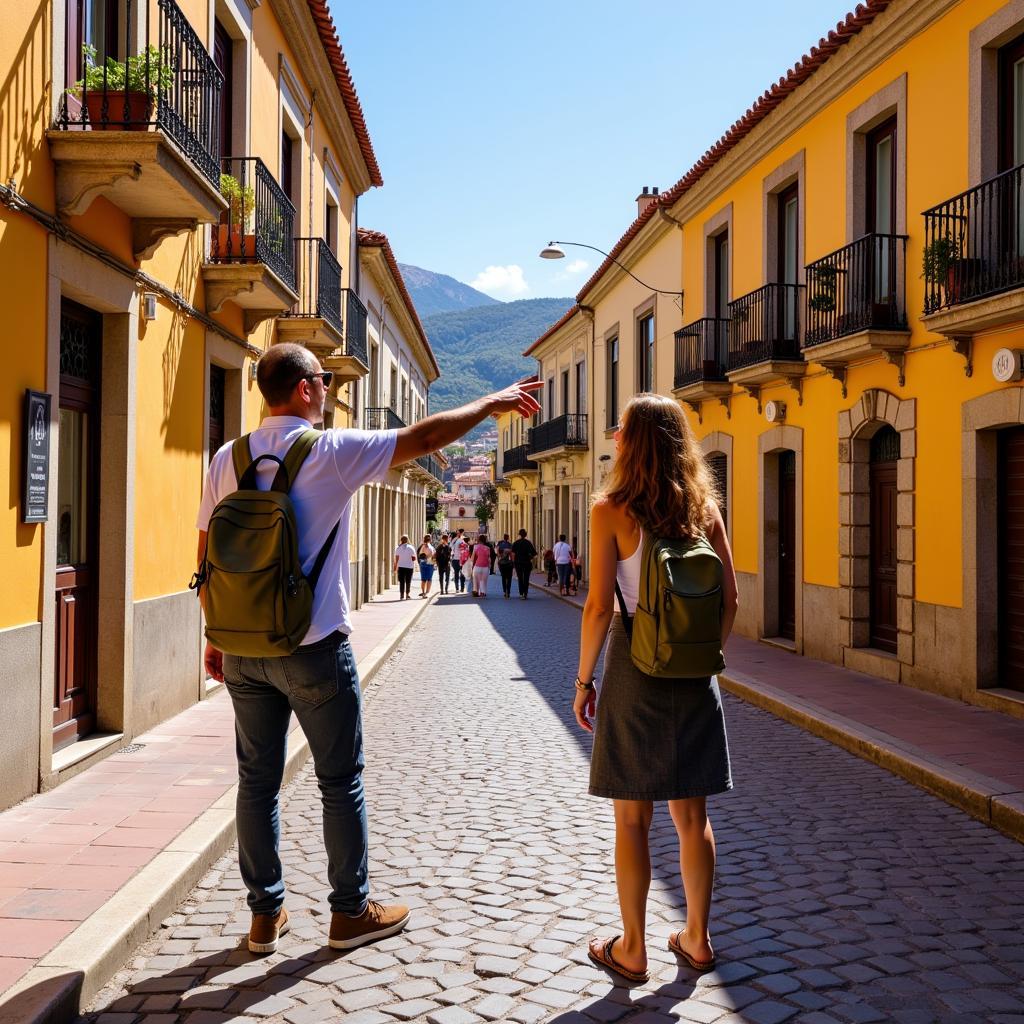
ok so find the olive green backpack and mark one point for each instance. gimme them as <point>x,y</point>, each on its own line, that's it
<point>258,604</point>
<point>676,631</point>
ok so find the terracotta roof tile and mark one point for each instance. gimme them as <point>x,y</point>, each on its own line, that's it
<point>378,240</point>
<point>336,58</point>
<point>847,29</point>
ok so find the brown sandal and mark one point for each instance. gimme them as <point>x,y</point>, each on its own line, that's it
<point>606,960</point>
<point>697,965</point>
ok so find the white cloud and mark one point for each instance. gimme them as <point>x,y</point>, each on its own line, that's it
<point>572,269</point>
<point>501,282</point>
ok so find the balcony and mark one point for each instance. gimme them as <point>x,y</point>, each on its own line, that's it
<point>143,132</point>
<point>974,260</point>
<point>701,351</point>
<point>383,418</point>
<point>252,250</point>
<point>553,438</point>
<point>315,320</point>
<point>764,337</point>
<point>431,466</point>
<point>350,361</point>
<point>517,460</point>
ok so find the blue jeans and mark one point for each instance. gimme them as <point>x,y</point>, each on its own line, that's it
<point>563,569</point>
<point>320,684</point>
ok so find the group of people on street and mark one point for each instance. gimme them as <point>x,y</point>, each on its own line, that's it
<point>461,559</point>
<point>563,566</point>
<point>281,646</point>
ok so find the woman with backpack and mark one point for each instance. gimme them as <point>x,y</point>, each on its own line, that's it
<point>659,546</point>
<point>506,565</point>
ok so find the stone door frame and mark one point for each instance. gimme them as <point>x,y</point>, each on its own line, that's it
<point>857,425</point>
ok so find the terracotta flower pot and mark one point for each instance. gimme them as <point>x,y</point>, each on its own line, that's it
<point>140,108</point>
<point>230,243</point>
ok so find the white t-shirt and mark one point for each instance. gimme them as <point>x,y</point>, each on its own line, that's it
<point>427,551</point>
<point>339,464</point>
<point>563,552</point>
<point>457,546</point>
<point>406,555</point>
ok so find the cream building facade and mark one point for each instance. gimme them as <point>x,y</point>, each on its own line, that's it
<point>395,393</point>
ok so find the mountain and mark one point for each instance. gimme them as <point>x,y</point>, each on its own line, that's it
<point>480,350</point>
<point>439,293</point>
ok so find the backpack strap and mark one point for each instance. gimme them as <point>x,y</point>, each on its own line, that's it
<point>293,460</point>
<point>241,455</point>
<point>627,619</point>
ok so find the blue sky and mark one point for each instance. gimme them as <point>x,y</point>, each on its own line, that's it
<point>501,126</point>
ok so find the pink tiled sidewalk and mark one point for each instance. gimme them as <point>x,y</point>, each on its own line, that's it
<point>63,854</point>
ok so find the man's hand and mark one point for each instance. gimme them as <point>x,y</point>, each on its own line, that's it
<point>517,398</point>
<point>214,662</point>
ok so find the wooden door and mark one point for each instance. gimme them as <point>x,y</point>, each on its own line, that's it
<point>1011,558</point>
<point>216,424</point>
<point>788,259</point>
<point>881,215</point>
<point>223,52</point>
<point>787,545</point>
<point>885,451</point>
<point>74,704</point>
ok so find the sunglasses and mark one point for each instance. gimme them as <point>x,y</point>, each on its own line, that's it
<point>325,375</point>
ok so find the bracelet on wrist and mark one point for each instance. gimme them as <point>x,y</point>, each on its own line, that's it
<point>580,685</point>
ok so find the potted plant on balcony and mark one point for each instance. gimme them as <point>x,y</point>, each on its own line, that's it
<point>823,289</point>
<point>233,239</point>
<point>942,265</point>
<point>120,96</point>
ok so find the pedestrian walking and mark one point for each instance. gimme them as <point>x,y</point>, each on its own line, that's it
<point>480,558</point>
<point>506,566</point>
<point>465,565</point>
<point>657,737</point>
<point>562,553</point>
<point>443,558</point>
<point>523,554</point>
<point>425,556</point>
<point>405,562</point>
<point>549,566</point>
<point>276,509</point>
<point>460,551</point>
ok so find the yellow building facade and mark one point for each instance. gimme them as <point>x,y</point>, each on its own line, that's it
<point>848,347</point>
<point>140,285</point>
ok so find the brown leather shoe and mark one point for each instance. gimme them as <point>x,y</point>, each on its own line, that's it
<point>265,931</point>
<point>377,921</point>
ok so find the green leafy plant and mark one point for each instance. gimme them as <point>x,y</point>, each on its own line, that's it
<point>823,288</point>
<point>487,503</point>
<point>147,72</point>
<point>241,197</point>
<point>740,315</point>
<point>939,256</point>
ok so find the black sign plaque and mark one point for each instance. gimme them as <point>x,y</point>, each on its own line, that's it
<point>36,484</point>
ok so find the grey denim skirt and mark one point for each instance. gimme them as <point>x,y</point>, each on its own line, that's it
<point>656,739</point>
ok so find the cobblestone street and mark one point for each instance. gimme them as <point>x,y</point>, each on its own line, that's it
<point>844,894</point>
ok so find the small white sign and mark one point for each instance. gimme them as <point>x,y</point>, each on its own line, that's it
<point>1008,365</point>
<point>775,412</point>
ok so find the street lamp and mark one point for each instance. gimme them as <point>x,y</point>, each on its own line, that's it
<point>554,251</point>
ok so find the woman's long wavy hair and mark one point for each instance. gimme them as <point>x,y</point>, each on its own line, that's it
<point>660,474</point>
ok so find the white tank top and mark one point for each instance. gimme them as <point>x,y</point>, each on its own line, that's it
<point>627,575</point>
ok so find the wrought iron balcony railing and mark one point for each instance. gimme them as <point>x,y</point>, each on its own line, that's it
<point>319,282</point>
<point>258,225</point>
<point>383,418</point>
<point>859,287</point>
<point>166,80</point>
<point>701,348</point>
<point>355,327</point>
<point>517,458</point>
<point>431,465</point>
<point>974,242</point>
<point>568,431</point>
<point>765,325</point>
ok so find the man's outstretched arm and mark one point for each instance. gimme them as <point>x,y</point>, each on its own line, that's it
<point>434,432</point>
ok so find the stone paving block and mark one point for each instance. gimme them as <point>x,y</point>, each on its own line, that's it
<point>412,1008</point>
<point>453,1015</point>
<point>364,999</point>
<point>494,1006</point>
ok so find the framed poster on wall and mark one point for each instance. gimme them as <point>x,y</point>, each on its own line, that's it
<point>36,479</point>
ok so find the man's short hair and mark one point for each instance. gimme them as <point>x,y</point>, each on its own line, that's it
<point>522,533</point>
<point>404,538</point>
<point>561,536</point>
<point>280,368</point>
